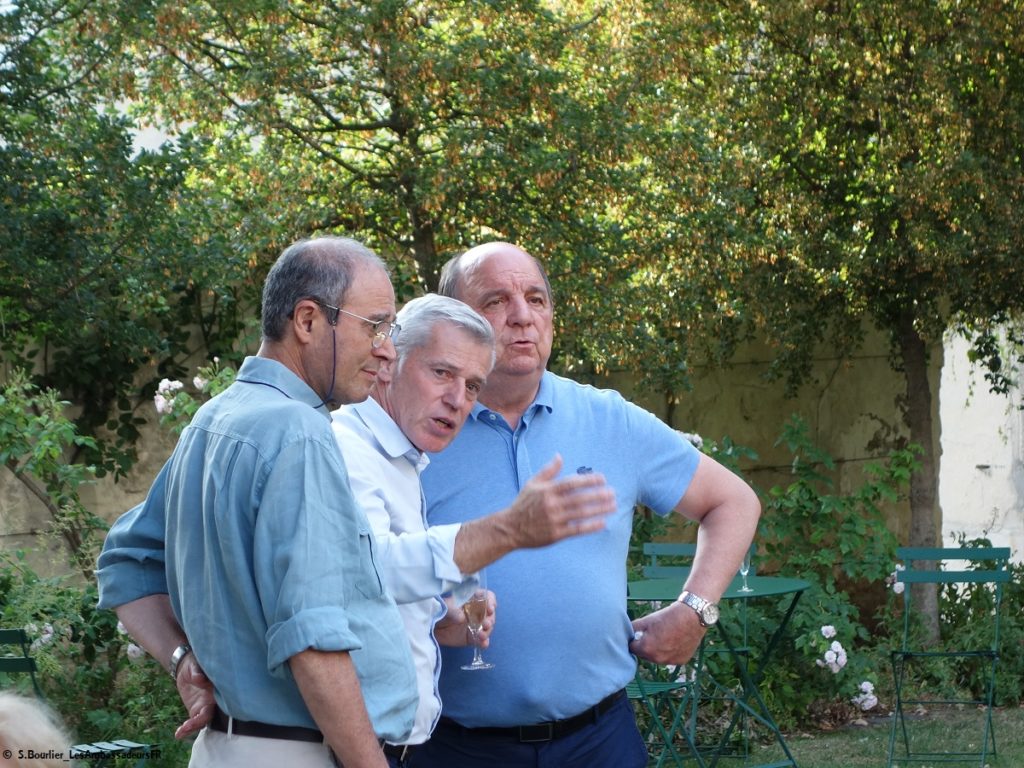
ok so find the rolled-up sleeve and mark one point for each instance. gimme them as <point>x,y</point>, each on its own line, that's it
<point>314,554</point>
<point>131,564</point>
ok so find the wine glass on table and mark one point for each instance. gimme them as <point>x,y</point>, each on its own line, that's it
<point>476,609</point>
<point>744,570</point>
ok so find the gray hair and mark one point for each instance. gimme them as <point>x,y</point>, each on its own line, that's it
<point>32,724</point>
<point>420,316</point>
<point>315,268</point>
<point>452,273</point>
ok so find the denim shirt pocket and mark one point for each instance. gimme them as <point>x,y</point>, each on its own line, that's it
<point>370,582</point>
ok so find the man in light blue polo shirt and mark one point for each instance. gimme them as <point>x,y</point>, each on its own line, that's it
<point>562,648</point>
<point>419,404</point>
<point>251,545</point>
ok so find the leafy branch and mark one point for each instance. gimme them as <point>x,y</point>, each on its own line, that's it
<point>35,436</point>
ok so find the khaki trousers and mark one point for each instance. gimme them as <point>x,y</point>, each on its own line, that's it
<point>214,749</point>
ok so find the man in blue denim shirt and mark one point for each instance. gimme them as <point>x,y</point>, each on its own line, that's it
<point>269,567</point>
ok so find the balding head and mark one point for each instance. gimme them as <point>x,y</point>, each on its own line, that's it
<point>457,268</point>
<point>321,268</point>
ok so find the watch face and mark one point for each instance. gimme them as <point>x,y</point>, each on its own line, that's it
<point>710,614</point>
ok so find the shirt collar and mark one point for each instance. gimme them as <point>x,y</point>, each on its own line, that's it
<point>545,398</point>
<point>274,374</point>
<point>392,439</point>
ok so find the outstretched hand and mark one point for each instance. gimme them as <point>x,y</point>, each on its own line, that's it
<point>549,510</point>
<point>196,693</point>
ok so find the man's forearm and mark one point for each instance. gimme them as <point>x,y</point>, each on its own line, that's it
<point>545,511</point>
<point>331,690</point>
<point>481,542</point>
<point>152,624</point>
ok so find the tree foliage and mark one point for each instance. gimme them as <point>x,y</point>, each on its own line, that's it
<point>104,271</point>
<point>693,174</point>
<point>420,127</point>
<point>880,149</point>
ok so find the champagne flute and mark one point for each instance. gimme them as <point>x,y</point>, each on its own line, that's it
<point>476,609</point>
<point>744,570</point>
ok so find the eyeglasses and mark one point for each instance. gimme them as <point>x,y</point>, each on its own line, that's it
<point>382,329</point>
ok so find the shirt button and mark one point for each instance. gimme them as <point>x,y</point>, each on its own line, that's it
<point>493,417</point>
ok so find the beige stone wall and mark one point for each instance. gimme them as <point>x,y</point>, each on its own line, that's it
<point>850,408</point>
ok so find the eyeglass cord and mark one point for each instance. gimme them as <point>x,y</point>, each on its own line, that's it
<point>334,373</point>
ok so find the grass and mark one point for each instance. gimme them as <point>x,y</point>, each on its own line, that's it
<point>866,745</point>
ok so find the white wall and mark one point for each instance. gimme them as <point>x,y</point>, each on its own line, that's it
<point>981,485</point>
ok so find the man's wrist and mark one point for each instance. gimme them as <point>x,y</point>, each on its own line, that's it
<point>707,611</point>
<point>177,657</point>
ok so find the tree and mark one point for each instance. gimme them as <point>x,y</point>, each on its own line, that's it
<point>421,127</point>
<point>881,152</point>
<point>103,273</point>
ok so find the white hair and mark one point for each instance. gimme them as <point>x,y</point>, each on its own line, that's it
<point>29,725</point>
<point>420,316</point>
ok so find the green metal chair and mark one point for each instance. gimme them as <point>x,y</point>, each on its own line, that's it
<point>664,701</point>
<point>977,575</point>
<point>15,658</point>
<point>672,559</point>
<point>667,558</point>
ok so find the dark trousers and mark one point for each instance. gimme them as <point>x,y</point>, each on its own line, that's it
<point>613,741</point>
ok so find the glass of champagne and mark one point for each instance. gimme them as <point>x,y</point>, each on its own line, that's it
<point>476,609</point>
<point>744,570</point>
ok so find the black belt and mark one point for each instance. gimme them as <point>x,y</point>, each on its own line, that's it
<point>555,729</point>
<point>263,730</point>
<point>401,752</point>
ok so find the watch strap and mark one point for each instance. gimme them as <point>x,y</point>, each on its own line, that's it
<point>177,657</point>
<point>699,606</point>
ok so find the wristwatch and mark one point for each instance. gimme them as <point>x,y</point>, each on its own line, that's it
<point>177,657</point>
<point>706,611</point>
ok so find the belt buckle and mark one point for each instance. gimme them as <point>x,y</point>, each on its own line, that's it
<point>526,731</point>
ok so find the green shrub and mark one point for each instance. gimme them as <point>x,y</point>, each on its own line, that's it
<point>102,684</point>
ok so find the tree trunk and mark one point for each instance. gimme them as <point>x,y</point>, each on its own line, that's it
<point>924,530</point>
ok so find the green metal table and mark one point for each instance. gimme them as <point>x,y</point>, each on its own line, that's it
<point>751,670</point>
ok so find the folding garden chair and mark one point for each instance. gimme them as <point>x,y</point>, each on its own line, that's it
<point>14,656</point>
<point>16,659</point>
<point>672,560</point>
<point>664,702</point>
<point>667,558</point>
<point>972,577</point>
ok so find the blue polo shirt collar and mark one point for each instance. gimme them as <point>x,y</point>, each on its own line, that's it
<point>545,399</point>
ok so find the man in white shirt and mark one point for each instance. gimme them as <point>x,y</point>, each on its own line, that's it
<point>445,351</point>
